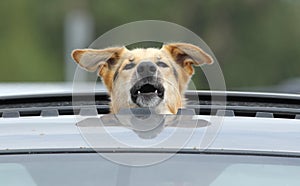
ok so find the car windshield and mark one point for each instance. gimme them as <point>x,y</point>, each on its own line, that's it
<point>182,169</point>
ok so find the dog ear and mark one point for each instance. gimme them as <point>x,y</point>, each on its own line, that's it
<point>186,55</point>
<point>93,59</point>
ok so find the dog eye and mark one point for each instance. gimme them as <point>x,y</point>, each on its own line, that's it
<point>162,64</point>
<point>129,66</point>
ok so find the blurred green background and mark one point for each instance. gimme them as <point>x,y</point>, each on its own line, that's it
<point>257,42</point>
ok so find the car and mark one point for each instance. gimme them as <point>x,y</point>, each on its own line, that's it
<point>220,138</point>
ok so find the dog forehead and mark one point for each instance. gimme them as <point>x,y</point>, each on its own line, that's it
<point>140,54</point>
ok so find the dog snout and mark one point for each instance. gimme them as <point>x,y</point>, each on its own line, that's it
<point>146,68</point>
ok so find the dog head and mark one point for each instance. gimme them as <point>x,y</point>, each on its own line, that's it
<point>145,77</point>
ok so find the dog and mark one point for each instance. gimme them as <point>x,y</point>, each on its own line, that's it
<point>145,77</point>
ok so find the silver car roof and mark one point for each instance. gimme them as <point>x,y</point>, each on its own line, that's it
<point>233,133</point>
<point>222,133</point>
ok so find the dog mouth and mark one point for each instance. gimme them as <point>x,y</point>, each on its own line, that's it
<point>149,89</point>
<point>147,93</point>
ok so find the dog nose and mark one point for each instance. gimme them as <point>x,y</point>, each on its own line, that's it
<point>146,68</point>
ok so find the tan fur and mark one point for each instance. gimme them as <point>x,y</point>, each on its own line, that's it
<point>180,56</point>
